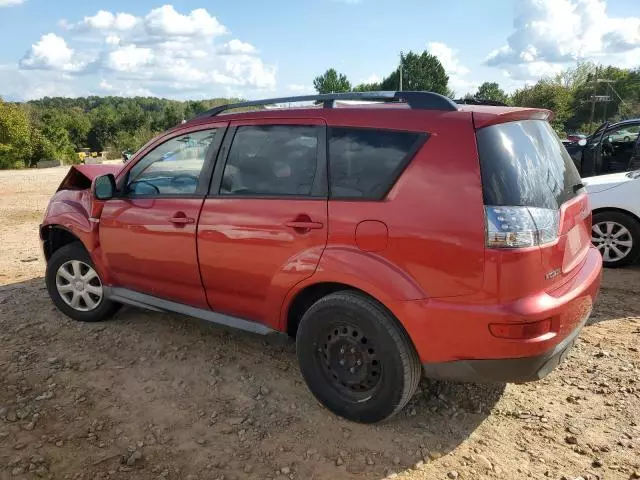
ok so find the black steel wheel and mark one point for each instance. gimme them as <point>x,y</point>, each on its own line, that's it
<point>350,361</point>
<point>356,358</point>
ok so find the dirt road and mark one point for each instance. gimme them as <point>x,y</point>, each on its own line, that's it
<point>160,396</point>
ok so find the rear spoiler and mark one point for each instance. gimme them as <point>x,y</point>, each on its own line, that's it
<point>492,116</point>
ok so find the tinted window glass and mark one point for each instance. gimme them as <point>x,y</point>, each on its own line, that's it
<point>365,163</point>
<point>172,168</point>
<point>271,160</point>
<point>524,163</point>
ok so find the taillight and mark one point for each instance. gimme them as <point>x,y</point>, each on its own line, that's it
<point>518,227</point>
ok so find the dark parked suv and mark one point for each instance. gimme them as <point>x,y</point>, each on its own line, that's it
<point>405,236</point>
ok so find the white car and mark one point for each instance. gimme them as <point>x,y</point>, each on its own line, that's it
<point>615,202</point>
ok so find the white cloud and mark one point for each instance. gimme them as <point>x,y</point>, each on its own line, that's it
<point>10,3</point>
<point>550,34</point>
<point>448,58</point>
<point>127,90</point>
<point>455,70</point>
<point>104,20</point>
<point>373,78</point>
<point>165,51</point>
<point>106,86</point>
<point>129,58</point>
<point>166,21</point>
<point>236,46</point>
<point>298,88</point>
<point>112,40</point>
<point>252,71</point>
<point>50,53</point>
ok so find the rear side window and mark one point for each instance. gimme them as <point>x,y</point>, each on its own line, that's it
<point>365,163</point>
<point>272,160</point>
<point>525,164</point>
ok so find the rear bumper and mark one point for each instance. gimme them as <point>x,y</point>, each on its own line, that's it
<point>453,339</point>
<point>512,370</point>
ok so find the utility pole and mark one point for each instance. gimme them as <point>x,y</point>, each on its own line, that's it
<point>401,73</point>
<point>593,99</point>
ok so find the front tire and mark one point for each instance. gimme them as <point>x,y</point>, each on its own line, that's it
<point>356,358</point>
<point>617,236</point>
<point>75,287</point>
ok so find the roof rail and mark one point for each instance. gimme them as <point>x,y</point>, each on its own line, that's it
<point>479,101</point>
<point>415,100</point>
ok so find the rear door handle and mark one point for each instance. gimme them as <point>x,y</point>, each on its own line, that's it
<point>304,225</point>
<point>181,220</point>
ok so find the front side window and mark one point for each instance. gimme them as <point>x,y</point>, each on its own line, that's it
<point>271,160</point>
<point>172,168</point>
<point>365,163</point>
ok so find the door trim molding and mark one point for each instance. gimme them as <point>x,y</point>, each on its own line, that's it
<point>149,302</point>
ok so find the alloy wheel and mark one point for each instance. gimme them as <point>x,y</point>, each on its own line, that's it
<point>613,240</point>
<point>79,285</point>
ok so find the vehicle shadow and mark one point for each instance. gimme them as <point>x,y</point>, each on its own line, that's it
<point>240,394</point>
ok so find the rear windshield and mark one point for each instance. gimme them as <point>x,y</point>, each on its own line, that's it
<point>524,163</point>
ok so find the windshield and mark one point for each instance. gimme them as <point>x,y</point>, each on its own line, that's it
<point>525,164</point>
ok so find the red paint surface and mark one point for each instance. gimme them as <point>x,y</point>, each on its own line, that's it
<point>428,265</point>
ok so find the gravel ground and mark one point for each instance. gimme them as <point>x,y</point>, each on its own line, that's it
<point>160,396</point>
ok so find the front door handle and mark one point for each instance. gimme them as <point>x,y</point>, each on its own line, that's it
<point>297,225</point>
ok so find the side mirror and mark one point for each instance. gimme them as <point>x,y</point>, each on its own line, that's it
<point>104,186</point>
<point>582,142</point>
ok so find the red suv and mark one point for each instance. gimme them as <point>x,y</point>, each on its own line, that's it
<point>405,235</point>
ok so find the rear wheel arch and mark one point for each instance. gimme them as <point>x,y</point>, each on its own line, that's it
<point>306,297</point>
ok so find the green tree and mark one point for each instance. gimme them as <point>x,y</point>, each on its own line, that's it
<point>104,127</point>
<point>367,87</point>
<point>78,125</point>
<point>550,95</point>
<point>173,115</point>
<point>419,72</point>
<point>15,138</point>
<point>53,126</point>
<point>491,91</point>
<point>332,82</point>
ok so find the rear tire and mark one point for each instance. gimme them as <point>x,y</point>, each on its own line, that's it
<point>356,358</point>
<point>75,287</point>
<point>614,232</point>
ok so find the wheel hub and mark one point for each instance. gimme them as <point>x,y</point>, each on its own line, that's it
<point>350,360</point>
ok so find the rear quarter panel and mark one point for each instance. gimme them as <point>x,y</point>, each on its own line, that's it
<point>434,213</point>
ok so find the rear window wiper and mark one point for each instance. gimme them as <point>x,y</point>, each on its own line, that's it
<point>577,187</point>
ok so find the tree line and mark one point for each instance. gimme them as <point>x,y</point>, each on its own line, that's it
<point>568,94</point>
<point>57,128</point>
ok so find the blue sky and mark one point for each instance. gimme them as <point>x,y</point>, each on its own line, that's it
<point>198,49</point>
